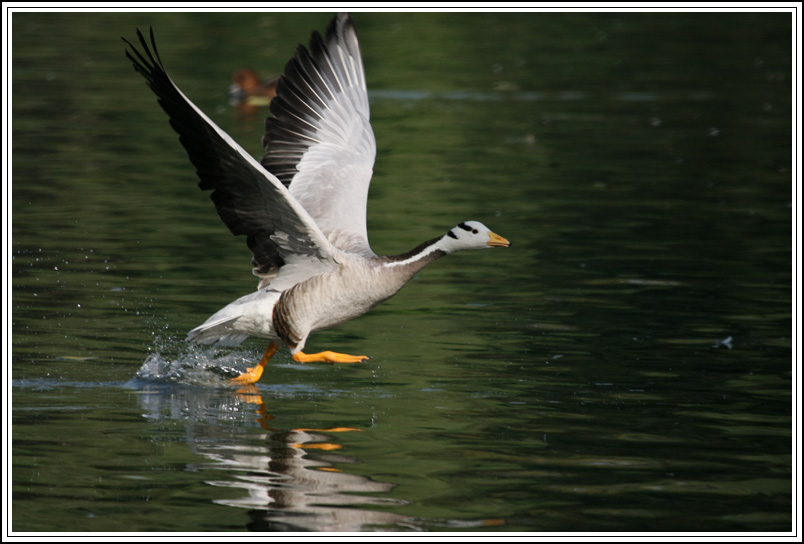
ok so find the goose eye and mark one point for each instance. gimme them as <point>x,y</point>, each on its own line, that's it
<point>474,231</point>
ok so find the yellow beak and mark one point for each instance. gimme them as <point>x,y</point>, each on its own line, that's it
<point>495,240</point>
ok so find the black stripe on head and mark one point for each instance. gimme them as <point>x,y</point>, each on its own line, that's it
<point>452,234</point>
<point>464,226</point>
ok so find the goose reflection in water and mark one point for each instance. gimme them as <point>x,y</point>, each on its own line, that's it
<point>292,476</point>
<point>289,489</point>
<point>289,478</point>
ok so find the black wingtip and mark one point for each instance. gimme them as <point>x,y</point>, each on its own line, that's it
<point>339,24</point>
<point>145,66</point>
<point>153,45</point>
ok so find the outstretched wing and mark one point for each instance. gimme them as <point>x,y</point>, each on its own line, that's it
<point>319,142</point>
<point>249,200</point>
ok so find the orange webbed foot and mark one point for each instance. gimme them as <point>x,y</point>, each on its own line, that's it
<point>253,374</point>
<point>328,357</point>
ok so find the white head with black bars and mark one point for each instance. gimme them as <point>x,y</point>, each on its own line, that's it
<point>472,235</point>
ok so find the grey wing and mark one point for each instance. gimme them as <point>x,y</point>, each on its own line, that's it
<point>319,142</point>
<point>249,200</point>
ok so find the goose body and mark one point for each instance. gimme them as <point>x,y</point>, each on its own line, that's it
<point>303,207</point>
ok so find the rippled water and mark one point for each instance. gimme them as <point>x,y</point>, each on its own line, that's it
<point>625,366</point>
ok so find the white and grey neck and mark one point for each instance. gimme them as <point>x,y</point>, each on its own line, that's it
<point>423,254</point>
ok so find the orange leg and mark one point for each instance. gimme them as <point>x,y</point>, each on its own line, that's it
<point>253,374</point>
<point>328,357</point>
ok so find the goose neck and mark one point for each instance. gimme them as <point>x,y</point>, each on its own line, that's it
<point>420,256</point>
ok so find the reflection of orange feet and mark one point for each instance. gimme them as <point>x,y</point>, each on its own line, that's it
<point>328,357</point>
<point>253,374</point>
<point>330,430</point>
<point>325,447</point>
<point>249,393</point>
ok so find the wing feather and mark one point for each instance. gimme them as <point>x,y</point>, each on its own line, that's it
<point>319,141</point>
<point>249,200</point>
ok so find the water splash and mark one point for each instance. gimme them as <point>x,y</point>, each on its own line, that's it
<point>192,365</point>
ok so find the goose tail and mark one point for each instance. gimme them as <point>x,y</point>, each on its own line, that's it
<point>232,324</point>
<point>220,331</point>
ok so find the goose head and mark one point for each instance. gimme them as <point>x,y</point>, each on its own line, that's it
<point>472,235</point>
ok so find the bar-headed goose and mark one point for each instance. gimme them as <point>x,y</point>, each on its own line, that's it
<point>303,208</point>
